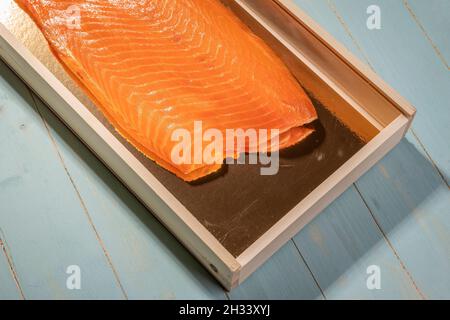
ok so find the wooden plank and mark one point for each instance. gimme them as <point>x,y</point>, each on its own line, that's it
<point>425,85</point>
<point>339,246</point>
<point>9,289</point>
<point>395,66</point>
<point>41,216</point>
<point>284,276</point>
<point>411,204</point>
<point>149,261</point>
<point>432,17</point>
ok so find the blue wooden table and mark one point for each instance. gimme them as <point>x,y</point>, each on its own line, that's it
<point>60,207</point>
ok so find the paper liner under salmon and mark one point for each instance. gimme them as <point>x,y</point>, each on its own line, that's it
<point>154,67</point>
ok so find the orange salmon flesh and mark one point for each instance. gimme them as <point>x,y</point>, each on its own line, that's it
<point>156,66</point>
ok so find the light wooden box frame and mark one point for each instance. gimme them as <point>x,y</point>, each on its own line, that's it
<point>338,76</point>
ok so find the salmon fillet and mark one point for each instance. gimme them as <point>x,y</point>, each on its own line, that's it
<point>155,66</point>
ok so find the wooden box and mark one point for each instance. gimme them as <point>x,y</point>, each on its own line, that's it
<point>235,222</point>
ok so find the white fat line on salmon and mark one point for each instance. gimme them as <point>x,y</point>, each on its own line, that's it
<point>239,146</point>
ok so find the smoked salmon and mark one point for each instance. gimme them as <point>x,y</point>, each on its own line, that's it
<point>156,66</point>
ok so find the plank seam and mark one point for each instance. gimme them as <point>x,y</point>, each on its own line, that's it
<point>309,269</point>
<point>397,256</point>
<point>83,205</point>
<point>424,31</point>
<point>10,262</point>
<point>431,159</point>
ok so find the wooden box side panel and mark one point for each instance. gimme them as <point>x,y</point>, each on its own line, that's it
<point>122,163</point>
